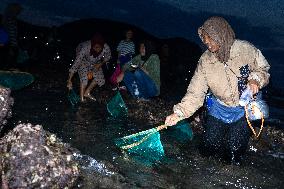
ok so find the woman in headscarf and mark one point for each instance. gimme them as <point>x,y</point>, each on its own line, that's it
<point>142,75</point>
<point>90,56</point>
<point>225,70</point>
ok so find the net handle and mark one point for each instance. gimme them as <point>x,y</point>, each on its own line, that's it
<point>161,127</point>
<point>136,143</point>
<point>249,123</point>
<point>144,138</point>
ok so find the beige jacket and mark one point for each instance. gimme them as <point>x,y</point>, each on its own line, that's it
<point>221,79</point>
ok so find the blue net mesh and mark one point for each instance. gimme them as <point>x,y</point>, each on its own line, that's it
<point>15,80</point>
<point>116,106</point>
<point>147,146</point>
<point>73,97</point>
<point>181,132</point>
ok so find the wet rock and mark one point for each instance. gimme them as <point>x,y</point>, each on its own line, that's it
<point>33,158</point>
<point>154,112</point>
<point>90,180</point>
<point>191,171</point>
<point>277,135</point>
<point>6,103</point>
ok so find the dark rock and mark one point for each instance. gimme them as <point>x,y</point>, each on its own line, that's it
<point>34,158</point>
<point>178,57</point>
<point>6,103</point>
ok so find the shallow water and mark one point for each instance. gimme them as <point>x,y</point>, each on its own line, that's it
<point>89,129</point>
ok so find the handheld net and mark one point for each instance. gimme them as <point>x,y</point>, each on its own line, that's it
<point>73,97</point>
<point>181,132</point>
<point>116,106</point>
<point>145,144</point>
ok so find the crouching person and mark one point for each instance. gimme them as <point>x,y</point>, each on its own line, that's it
<point>142,75</point>
<point>90,57</point>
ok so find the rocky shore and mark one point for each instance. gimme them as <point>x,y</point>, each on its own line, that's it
<point>45,143</point>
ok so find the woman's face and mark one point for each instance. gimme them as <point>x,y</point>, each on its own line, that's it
<point>142,49</point>
<point>210,43</point>
<point>97,48</point>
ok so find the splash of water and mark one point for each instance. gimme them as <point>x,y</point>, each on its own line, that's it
<point>90,163</point>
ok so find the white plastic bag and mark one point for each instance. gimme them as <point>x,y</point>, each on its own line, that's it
<point>256,107</point>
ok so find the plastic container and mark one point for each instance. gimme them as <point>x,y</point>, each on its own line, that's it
<point>246,97</point>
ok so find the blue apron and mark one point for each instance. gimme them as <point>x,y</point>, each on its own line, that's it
<point>225,113</point>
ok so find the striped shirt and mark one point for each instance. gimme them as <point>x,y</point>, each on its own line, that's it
<point>126,47</point>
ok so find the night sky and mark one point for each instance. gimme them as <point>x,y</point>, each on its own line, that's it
<point>258,21</point>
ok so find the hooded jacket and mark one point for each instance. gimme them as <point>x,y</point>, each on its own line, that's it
<point>223,79</point>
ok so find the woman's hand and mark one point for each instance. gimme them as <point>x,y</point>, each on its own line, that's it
<point>254,86</point>
<point>172,119</point>
<point>69,84</point>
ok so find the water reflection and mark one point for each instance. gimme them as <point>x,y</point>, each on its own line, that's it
<point>89,129</point>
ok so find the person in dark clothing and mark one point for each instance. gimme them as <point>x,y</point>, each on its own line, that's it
<point>9,22</point>
<point>3,46</point>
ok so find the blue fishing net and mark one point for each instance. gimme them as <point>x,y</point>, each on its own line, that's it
<point>144,146</point>
<point>73,97</point>
<point>117,107</point>
<point>181,132</point>
<point>15,80</point>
